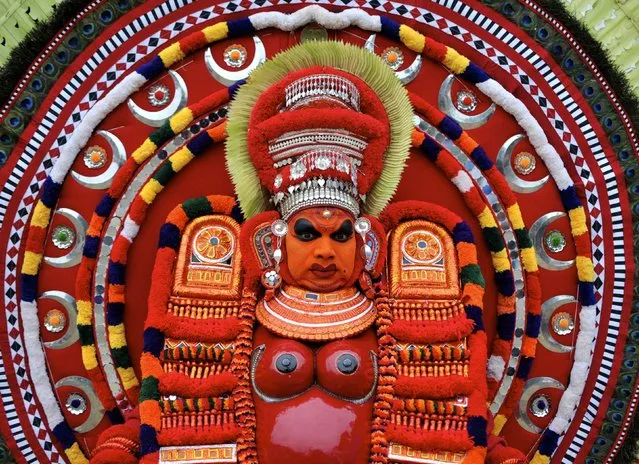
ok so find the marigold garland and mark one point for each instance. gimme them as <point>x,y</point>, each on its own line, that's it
<point>117,263</point>
<point>245,410</point>
<point>584,267</point>
<point>387,354</point>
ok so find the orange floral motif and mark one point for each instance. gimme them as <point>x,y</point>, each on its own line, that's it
<point>423,247</point>
<point>208,266</point>
<point>213,244</point>
<point>422,262</point>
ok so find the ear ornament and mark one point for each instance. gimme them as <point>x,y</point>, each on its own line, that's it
<point>271,278</point>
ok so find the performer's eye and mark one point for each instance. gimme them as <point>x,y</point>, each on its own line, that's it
<point>344,232</point>
<point>305,231</point>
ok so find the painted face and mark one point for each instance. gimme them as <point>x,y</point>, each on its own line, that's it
<point>321,249</point>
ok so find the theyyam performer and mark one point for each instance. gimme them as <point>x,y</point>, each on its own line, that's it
<point>350,333</point>
<point>361,232</point>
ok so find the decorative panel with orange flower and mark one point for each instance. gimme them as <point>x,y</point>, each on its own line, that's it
<point>422,262</point>
<point>208,264</point>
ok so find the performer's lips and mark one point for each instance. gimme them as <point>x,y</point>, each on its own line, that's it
<point>323,272</point>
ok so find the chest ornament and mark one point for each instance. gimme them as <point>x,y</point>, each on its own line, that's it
<point>296,313</point>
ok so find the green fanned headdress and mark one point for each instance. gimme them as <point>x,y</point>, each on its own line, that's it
<point>323,123</point>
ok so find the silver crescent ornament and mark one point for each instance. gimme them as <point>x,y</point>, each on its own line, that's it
<point>547,309</point>
<point>409,74</point>
<point>71,335</point>
<point>159,117</point>
<point>104,179</point>
<point>518,184</point>
<point>74,403</point>
<point>74,255</point>
<point>226,77</point>
<point>369,45</point>
<point>531,387</point>
<point>467,121</point>
<point>405,75</point>
<point>538,233</point>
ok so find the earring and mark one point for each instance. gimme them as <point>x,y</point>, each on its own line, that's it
<point>362,227</point>
<point>271,279</point>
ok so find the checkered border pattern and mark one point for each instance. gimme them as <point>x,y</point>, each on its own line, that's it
<point>406,11</point>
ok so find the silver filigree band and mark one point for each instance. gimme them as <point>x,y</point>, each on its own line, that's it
<point>322,86</point>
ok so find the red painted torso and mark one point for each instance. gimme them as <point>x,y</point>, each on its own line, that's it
<point>313,401</point>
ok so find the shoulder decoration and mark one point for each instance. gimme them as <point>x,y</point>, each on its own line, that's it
<point>194,340</point>
<point>435,302</point>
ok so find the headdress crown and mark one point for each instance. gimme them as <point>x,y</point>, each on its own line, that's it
<point>319,135</point>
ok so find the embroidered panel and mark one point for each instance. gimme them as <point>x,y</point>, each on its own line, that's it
<point>209,262</point>
<point>422,262</point>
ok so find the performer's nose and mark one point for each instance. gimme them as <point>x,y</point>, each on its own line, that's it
<point>323,248</point>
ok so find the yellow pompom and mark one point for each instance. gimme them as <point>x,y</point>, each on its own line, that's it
<point>455,62</point>
<point>181,120</point>
<point>75,454</point>
<point>41,215</point>
<point>585,269</point>
<point>85,310</point>
<point>181,159</point>
<point>411,38</point>
<point>89,357</point>
<point>514,214</point>
<point>500,421</point>
<point>150,191</point>
<point>117,338</point>
<point>127,375</point>
<point>529,259</point>
<point>539,458</point>
<point>500,260</point>
<point>171,55</point>
<point>216,32</point>
<point>144,151</point>
<point>486,218</point>
<point>578,221</point>
<point>31,263</point>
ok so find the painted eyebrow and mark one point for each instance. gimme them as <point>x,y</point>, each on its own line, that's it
<point>304,226</point>
<point>345,228</point>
